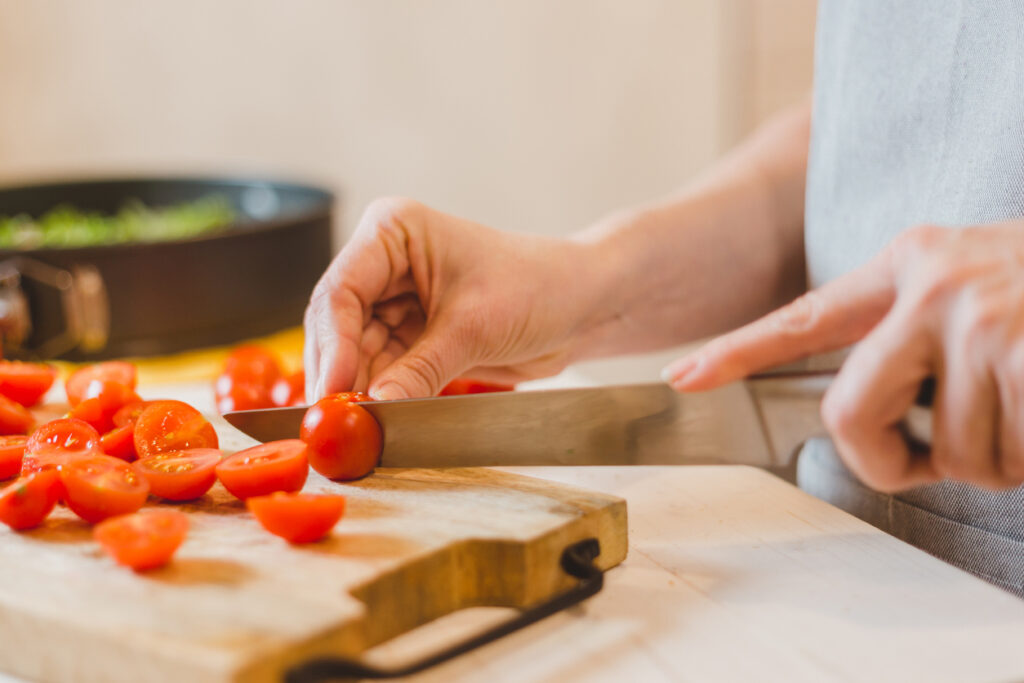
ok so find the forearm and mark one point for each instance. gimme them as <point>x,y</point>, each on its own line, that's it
<point>723,251</point>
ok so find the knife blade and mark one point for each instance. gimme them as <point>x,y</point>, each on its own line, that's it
<point>759,421</point>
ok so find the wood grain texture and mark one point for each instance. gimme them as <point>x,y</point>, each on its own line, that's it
<point>238,604</point>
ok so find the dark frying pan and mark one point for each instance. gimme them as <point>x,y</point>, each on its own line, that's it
<point>144,299</point>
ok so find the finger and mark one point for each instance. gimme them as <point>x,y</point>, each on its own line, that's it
<point>964,443</point>
<point>310,352</point>
<point>435,358</point>
<point>394,312</point>
<point>393,350</point>
<point>831,317</point>
<point>1010,422</point>
<point>868,400</point>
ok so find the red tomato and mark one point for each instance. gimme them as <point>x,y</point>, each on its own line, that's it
<point>12,448</point>
<point>297,517</point>
<point>91,411</point>
<point>119,442</point>
<point>26,383</point>
<point>289,390</point>
<point>263,469</point>
<point>172,426</point>
<point>233,394</point>
<point>14,417</point>
<point>251,364</point>
<point>27,502</point>
<point>113,370</point>
<point>129,413</point>
<point>99,486</point>
<point>344,440</point>
<point>180,475</point>
<point>58,441</point>
<point>144,540</point>
<point>460,386</point>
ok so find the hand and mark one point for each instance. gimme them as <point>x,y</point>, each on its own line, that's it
<point>418,297</point>
<point>942,302</point>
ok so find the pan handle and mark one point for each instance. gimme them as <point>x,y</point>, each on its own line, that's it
<point>577,561</point>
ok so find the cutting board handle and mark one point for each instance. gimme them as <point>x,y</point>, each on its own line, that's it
<point>577,561</point>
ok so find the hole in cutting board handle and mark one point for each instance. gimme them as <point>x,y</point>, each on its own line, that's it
<point>577,561</point>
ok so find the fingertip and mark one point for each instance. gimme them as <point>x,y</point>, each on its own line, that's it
<point>389,391</point>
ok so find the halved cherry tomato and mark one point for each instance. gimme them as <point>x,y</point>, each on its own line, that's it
<point>91,411</point>
<point>460,386</point>
<point>344,439</point>
<point>289,390</point>
<point>144,540</point>
<point>102,399</point>
<point>129,413</point>
<point>119,442</point>
<point>297,517</point>
<point>14,417</point>
<point>12,449</point>
<point>172,426</point>
<point>180,475</point>
<point>114,370</point>
<point>253,364</point>
<point>263,469</point>
<point>26,383</point>
<point>99,486</point>
<point>27,502</point>
<point>232,395</point>
<point>57,442</point>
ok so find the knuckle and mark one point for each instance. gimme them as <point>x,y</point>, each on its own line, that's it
<point>425,370</point>
<point>390,209</point>
<point>800,315</point>
<point>839,415</point>
<point>918,239</point>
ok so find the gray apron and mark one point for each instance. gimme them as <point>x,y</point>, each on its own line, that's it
<point>918,118</point>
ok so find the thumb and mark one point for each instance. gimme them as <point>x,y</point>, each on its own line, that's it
<point>432,361</point>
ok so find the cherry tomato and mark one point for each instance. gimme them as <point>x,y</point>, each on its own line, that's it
<point>144,540</point>
<point>57,442</point>
<point>180,475</point>
<point>129,413</point>
<point>99,486</point>
<point>289,390</point>
<point>460,386</point>
<point>12,449</point>
<point>263,469</point>
<point>91,411</point>
<point>27,502</point>
<point>253,364</point>
<point>26,383</point>
<point>297,517</point>
<point>14,417</point>
<point>233,394</point>
<point>114,370</point>
<point>172,426</point>
<point>119,442</point>
<point>344,440</point>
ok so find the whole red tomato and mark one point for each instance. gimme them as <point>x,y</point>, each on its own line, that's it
<point>344,439</point>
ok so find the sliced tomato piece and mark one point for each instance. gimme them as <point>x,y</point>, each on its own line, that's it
<point>99,486</point>
<point>91,411</point>
<point>14,417</point>
<point>297,517</point>
<point>118,371</point>
<point>172,426</point>
<point>344,439</point>
<point>461,386</point>
<point>253,364</point>
<point>119,442</point>
<point>233,394</point>
<point>58,441</point>
<point>12,449</point>
<point>27,502</point>
<point>26,383</point>
<point>264,469</point>
<point>180,475</point>
<point>129,413</point>
<point>144,540</point>
<point>289,390</point>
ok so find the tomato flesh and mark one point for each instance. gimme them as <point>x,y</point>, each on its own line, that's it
<point>98,486</point>
<point>344,439</point>
<point>29,500</point>
<point>26,383</point>
<point>129,413</point>
<point>172,426</point>
<point>461,386</point>
<point>297,517</point>
<point>119,442</point>
<point>181,475</point>
<point>264,469</point>
<point>117,371</point>
<point>144,540</point>
<point>14,417</point>
<point>57,442</point>
<point>12,449</point>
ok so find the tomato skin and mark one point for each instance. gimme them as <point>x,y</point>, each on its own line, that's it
<point>119,442</point>
<point>461,386</point>
<point>29,500</point>
<point>14,417</point>
<point>297,517</point>
<point>289,390</point>
<point>181,475</point>
<point>172,426</point>
<point>235,395</point>
<point>264,469</point>
<point>344,439</point>
<point>91,411</point>
<point>57,442</point>
<point>12,450</point>
<point>114,370</point>
<point>144,540</point>
<point>26,383</point>
<point>254,364</point>
<point>98,486</point>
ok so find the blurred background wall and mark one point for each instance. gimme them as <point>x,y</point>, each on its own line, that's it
<point>537,115</point>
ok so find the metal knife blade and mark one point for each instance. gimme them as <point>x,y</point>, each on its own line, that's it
<point>759,421</point>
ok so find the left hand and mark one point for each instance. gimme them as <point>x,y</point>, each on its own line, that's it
<point>939,302</point>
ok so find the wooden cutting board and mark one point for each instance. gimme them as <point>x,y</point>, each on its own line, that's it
<point>238,604</point>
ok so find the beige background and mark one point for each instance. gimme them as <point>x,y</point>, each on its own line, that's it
<point>534,115</point>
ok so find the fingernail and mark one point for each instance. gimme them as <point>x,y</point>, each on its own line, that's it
<point>388,392</point>
<point>678,370</point>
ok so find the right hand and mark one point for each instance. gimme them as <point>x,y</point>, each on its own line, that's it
<point>417,298</point>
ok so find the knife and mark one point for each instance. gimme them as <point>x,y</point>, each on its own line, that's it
<point>761,420</point>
